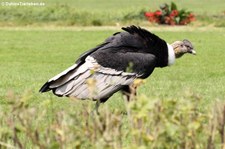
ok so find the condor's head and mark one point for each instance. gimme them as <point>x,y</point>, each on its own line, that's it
<point>182,47</point>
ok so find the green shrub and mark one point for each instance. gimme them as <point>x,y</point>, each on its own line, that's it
<point>62,15</point>
<point>67,15</point>
<point>158,123</point>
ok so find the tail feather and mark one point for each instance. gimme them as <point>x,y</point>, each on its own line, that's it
<point>45,88</point>
<point>59,79</point>
<point>73,85</point>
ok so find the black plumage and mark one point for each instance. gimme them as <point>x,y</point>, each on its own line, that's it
<point>115,64</point>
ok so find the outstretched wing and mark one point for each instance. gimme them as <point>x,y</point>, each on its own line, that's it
<point>94,81</point>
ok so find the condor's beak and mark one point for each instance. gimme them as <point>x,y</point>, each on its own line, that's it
<point>193,52</point>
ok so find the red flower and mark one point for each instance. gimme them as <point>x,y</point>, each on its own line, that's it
<point>191,17</point>
<point>174,13</point>
<point>156,19</point>
<point>149,14</point>
<point>164,16</point>
<point>158,13</point>
<point>172,22</point>
<point>167,20</point>
<point>153,16</point>
<point>184,21</point>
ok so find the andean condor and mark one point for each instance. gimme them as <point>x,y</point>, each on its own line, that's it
<point>107,65</point>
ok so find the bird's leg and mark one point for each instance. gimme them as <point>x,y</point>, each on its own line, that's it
<point>134,90</point>
<point>133,87</point>
<point>126,96</point>
<point>129,92</point>
<point>126,93</point>
<point>98,102</point>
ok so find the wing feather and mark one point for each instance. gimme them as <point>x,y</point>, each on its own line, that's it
<point>107,81</point>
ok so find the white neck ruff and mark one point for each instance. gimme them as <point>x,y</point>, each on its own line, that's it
<point>171,55</point>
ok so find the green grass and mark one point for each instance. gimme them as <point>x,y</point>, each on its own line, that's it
<point>79,13</point>
<point>29,57</point>
<point>207,6</point>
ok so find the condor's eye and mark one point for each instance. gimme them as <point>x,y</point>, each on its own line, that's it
<point>188,47</point>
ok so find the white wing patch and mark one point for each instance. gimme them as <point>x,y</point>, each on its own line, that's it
<point>63,73</point>
<point>105,81</point>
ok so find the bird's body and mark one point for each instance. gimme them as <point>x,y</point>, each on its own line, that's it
<point>113,65</point>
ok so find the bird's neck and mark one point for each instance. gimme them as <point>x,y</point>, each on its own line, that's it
<point>177,52</point>
<point>171,55</point>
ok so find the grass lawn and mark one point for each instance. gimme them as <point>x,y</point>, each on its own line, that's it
<point>29,57</point>
<point>207,6</point>
<point>101,12</point>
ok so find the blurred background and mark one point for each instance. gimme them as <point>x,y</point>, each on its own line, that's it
<point>103,12</point>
